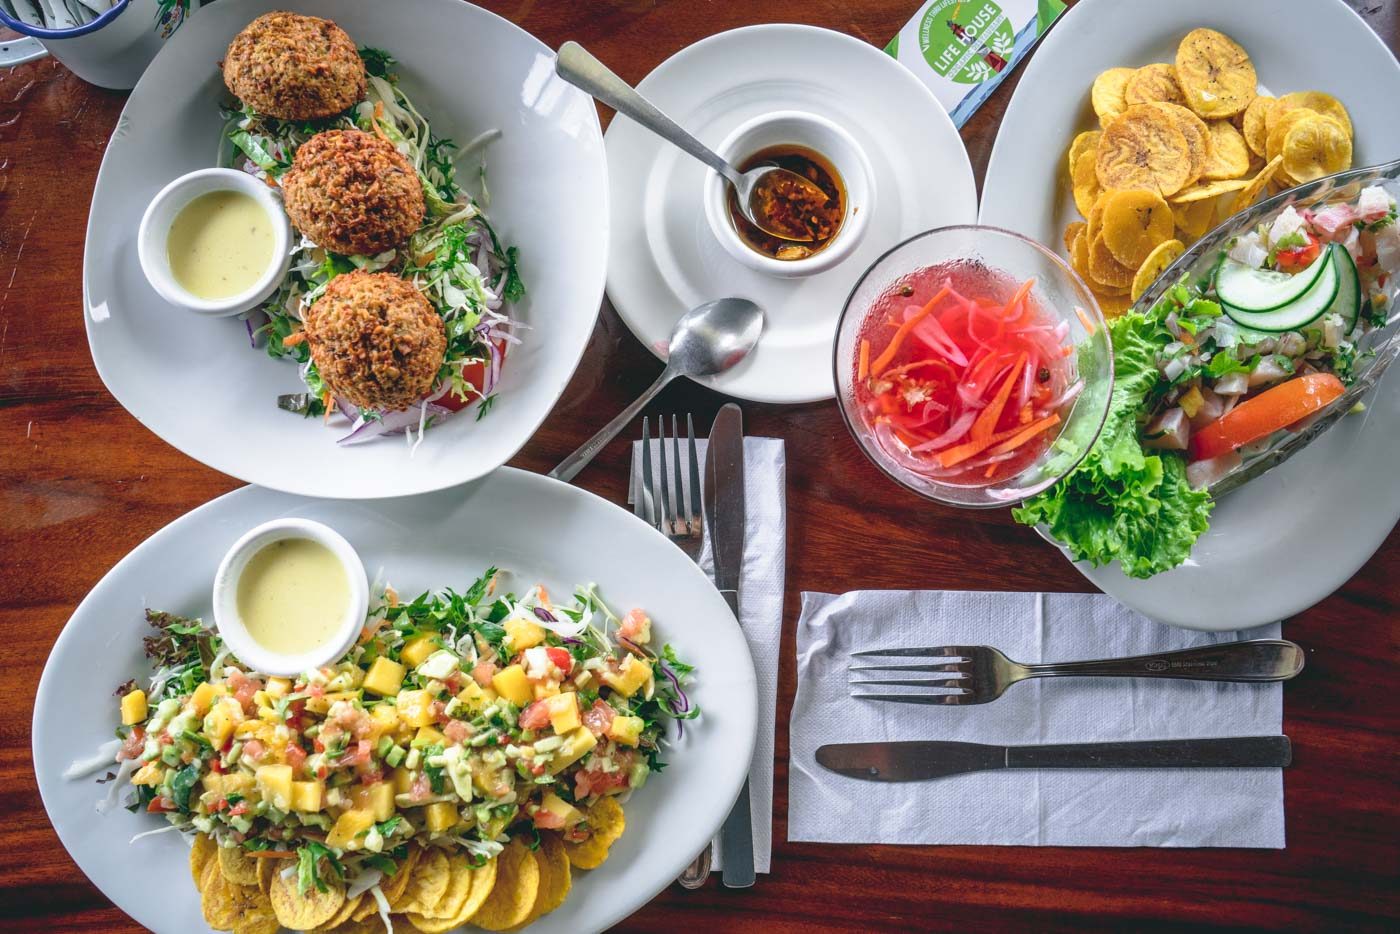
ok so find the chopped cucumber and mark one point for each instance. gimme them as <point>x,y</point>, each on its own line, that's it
<point>1258,290</point>
<point>1306,308</point>
<point>1348,300</point>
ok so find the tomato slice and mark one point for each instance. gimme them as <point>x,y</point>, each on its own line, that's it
<point>474,373</point>
<point>1299,257</point>
<point>1265,414</point>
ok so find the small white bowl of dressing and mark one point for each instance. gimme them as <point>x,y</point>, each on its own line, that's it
<point>216,242</point>
<point>291,595</point>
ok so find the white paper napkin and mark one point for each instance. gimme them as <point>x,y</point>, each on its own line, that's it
<point>1147,807</point>
<point>760,604</point>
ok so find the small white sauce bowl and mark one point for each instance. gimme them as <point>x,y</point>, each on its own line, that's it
<point>794,127</point>
<point>230,624</point>
<point>154,232</point>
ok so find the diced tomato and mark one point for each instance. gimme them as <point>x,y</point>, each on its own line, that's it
<point>243,688</point>
<point>160,805</point>
<point>560,658</point>
<point>589,782</point>
<point>484,672</point>
<point>296,757</point>
<point>133,744</point>
<point>1266,413</point>
<point>1299,257</point>
<point>220,805</point>
<point>360,755</point>
<point>457,731</point>
<point>439,710</point>
<point>316,690</point>
<point>535,717</point>
<point>474,373</point>
<point>370,775</point>
<point>322,771</point>
<point>238,809</point>
<point>421,789</point>
<point>454,682</point>
<point>546,819</point>
<point>216,764</point>
<point>253,749</point>
<point>599,717</point>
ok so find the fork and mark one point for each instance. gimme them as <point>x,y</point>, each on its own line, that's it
<point>982,674</point>
<point>680,519</point>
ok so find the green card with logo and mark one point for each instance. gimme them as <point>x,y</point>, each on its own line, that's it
<point>962,49</point>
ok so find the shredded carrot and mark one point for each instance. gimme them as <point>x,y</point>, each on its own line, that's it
<point>1021,293</point>
<point>270,854</point>
<point>328,402</point>
<point>887,355</point>
<point>1084,319</point>
<point>863,369</point>
<point>991,469</point>
<point>987,419</point>
<point>1026,434</point>
<point>1026,415</point>
<point>950,457</point>
<point>296,337</point>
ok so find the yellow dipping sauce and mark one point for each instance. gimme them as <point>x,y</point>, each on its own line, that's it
<point>292,596</point>
<point>220,244</point>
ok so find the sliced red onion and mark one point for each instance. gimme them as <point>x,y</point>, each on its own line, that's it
<point>545,615</point>
<point>1072,391</point>
<point>955,432</point>
<point>391,423</point>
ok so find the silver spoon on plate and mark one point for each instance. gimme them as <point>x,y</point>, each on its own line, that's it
<point>763,191</point>
<point>706,341</point>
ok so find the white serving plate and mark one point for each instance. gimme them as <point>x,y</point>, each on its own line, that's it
<point>198,385</point>
<point>1288,539</point>
<point>540,530</point>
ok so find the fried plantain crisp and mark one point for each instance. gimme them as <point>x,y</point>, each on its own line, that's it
<point>1153,83</point>
<point>1229,156</point>
<point>1134,223</point>
<point>1156,263</point>
<point>1215,73</point>
<point>514,893</point>
<point>1142,148</point>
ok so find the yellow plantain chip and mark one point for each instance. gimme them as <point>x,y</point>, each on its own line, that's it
<point>1197,136</point>
<point>1104,270</point>
<point>1273,144</point>
<point>392,886</point>
<point>259,920</point>
<point>1095,220</point>
<point>1193,218</point>
<point>1156,263</point>
<point>1085,182</point>
<point>200,854</point>
<point>1134,223</point>
<point>1316,101</point>
<point>459,886</point>
<point>1257,185</point>
<point>1106,95</point>
<point>224,902</point>
<point>556,878</point>
<point>1074,229</point>
<point>483,880</point>
<point>304,912</point>
<point>343,915</point>
<point>238,866</point>
<point>606,821</point>
<point>1153,83</point>
<point>1078,261</point>
<point>1314,148</point>
<point>427,884</point>
<point>1215,74</point>
<point>1229,152</point>
<point>1111,306</point>
<point>1255,128</point>
<point>1087,141</point>
<point>513,895</point>
<point>1142,148</point>
<point>1207,190</point>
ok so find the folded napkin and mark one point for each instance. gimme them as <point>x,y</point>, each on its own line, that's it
<point>1148,807</point>
<point>760,605</point>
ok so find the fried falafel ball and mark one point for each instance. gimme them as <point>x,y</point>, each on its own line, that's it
<point>294,67</point>
<point>352,192</point>
<point>375,340</point>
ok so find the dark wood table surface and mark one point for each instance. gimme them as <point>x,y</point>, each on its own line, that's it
<point>82,483</point>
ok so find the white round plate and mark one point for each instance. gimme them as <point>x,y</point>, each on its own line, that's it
<point>199,385</point>
<point>665,259</point>
<point>540,530</point>
<point>1290,538</point>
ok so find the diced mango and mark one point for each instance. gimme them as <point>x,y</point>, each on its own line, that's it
<point>415,708</point>
<point>134,707</point>
<point>308,796</point>
<point>278,687</point>
<point>512,684</point>
<point>473,697</point>
<point>236,783</point>
<point>563,712</point>
<point>1191,401</point>
<point>403,780</point>
<point>212,781</point>
<point>275,785</point>
<point>575,746</point>
<point>348,827</point>
<point>416,650</point>
<point>427,736</point>
<point>202,699</point>
<point>382,719</point>
<point>152,773</point>
<point>522,634</point>
<point>440,816</point>
<point>221,719</point>
<point>385,677</point>
<point>630,677</point>
<point>377,799</point>
<point>544,689</point>
<point>324,703</point>
<point>561,809</point>
<point>626,730</point>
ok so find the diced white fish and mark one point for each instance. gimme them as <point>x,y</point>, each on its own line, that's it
<point>1250,250</point>
<point>1232,385</point>
<point>1202,474</point>
<point>1268,371</point>
<point>1334,218</point>
<point>1374,203</point>
<point>1211,408</point>
<point>1290,221</point>
<point>1388,248</point>
<point>1170,431</point>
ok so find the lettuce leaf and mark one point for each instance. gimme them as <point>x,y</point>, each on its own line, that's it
<point>1122,503</point>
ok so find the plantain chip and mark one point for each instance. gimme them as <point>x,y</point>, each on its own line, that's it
<point>1314,148</point>
<point>1193,218</point>
<point>1215,74</point>
<point>1105,270</point>
<point>1087,141</point>
<point>1197,136</point>
<point>1273,145</point>
<point>1085,182</point>
<point>427,883</point>
<point>1257,185</point>
<point>1153,83</point>
<point>238,866</point>
<point>1106,95</point>
<point>1255,127</point>
<point>517,886</point>
<point>1208,190</point>
<point>301,912</point>
<point>556,878</point>
<point>1073,230</point>
<point>223,902</point>
<point>1229,152</point>
<point>1111,306</point>
<point>1134,223</point>
<point>343,915</point>
<point>200,854</point>
<point>1078,261</point>
<point>1142,148</point>
<point>606,821</point>
<point>1316,101</point>
<point>1156,263</point>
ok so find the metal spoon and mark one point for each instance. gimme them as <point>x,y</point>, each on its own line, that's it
<point>579,67</point>
<point>708,340</point>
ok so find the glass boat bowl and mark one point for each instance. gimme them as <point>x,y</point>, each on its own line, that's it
<point>1058,291</point>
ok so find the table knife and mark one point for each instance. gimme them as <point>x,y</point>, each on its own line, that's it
<point>723,505</point>
<point>917,761</point>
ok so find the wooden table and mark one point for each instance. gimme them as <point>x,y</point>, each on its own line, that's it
<point>82,483</point>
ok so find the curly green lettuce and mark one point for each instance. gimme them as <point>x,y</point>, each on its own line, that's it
<point>1122,503</point>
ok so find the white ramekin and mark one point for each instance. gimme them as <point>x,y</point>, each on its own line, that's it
<point>793,127</point>
<point>230,624</point>
<point>155,229</point>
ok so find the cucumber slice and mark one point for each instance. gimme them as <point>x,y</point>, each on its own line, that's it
<point>1250,289</point>
<point>1303,310</point>
<point>1348,300</point>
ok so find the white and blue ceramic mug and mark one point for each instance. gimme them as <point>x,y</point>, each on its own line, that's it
<point>110,51</point>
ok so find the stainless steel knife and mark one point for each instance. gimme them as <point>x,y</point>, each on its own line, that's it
<point>724,521</point>
<point>916,761</point>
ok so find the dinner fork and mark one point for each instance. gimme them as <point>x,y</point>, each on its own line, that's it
<point>680,519</point>
<point>981,674</point>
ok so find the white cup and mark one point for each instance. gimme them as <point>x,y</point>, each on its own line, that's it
<point>792,127</point>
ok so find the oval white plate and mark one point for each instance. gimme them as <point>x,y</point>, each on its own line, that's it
<point>198,385</point>
<point>1290,538</point>
<point>540,530</point>
<point>666,260</point>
